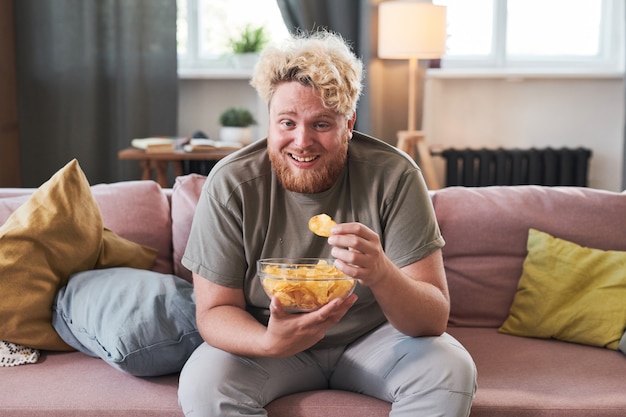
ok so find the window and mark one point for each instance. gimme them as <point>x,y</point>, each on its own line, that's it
<point>537,34</point>
<point>204,27</point>
<point>500,34</point>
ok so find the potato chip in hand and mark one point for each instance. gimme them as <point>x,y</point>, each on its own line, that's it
<point>321,224</point>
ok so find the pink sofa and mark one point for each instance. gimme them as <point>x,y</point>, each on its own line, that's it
<point>486,232</point>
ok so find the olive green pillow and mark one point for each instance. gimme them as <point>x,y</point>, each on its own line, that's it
<point>57,232</point>
<point>570,293</point>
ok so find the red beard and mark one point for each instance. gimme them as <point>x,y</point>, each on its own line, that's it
<point>309,181</point>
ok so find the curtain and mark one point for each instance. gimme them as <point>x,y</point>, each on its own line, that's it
<point>341,16</point>
<point>350,18</point>
<point>91,76</point>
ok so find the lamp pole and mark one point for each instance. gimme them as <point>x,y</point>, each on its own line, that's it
<point>412,29</point>
<point>412,92</point>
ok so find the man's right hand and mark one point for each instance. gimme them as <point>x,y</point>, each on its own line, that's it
<point>288,334</point>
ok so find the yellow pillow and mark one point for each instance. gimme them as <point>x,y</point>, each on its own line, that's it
<point>54,234</point>
<point>116,251</point>
<point>570,293</point>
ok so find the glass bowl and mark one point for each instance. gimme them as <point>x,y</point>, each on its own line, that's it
<point>303,284</point>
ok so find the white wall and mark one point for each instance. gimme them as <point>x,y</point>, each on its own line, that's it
<point>202,100</point>
<point>463,112</point>
<point>531,112</point>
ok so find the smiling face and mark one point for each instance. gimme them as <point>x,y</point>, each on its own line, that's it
<point>307,143</point>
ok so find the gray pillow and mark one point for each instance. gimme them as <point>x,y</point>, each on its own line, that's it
<point>140,322</point>
<point>622,344</point>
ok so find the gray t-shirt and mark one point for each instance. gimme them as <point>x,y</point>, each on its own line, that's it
<point>244,214</point>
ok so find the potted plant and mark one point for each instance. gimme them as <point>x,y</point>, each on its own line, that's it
<point>247,44</point>
<point>236,124</point>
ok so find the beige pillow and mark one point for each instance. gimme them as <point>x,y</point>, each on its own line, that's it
<point>570,292</point>
<point>58,231</point>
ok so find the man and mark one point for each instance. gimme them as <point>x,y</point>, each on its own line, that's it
<point>386,340</point>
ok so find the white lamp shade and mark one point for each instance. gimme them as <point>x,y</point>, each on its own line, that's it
<point>411,29</point>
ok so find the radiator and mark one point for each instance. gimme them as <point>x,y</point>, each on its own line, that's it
<point>198,166</point>
<point>484,167</point>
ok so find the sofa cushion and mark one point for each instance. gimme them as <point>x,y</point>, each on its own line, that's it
<point>524,377</point>
<point>486,230</point>
<point>14,192</point>
<point>569,292</point>
<point>71,384</point>
<point>185,195</point>
<point>325,403</point>
<point>140,212</point>
<point>140,322</point>
<point>148,223</point>
<point>56,232</point>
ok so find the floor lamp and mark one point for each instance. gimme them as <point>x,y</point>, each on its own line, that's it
<point>413,30</point>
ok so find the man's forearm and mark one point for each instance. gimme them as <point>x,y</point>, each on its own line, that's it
<point>231,329</point>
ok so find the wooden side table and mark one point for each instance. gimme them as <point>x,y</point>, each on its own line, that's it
<point>159,161</point>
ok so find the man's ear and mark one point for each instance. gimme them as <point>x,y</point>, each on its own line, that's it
<point>351,122</point>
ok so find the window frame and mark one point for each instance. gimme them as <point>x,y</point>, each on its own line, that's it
<point>609,60</point>
<point>193,65</point>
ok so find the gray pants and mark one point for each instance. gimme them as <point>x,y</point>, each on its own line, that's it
<point>427,376</point>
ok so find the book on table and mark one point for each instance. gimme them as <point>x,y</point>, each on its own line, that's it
<point>171,144</point>
<point>208,145</point>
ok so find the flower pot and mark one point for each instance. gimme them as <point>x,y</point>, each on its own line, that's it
<point>246,60</point>
<point>242,135</point>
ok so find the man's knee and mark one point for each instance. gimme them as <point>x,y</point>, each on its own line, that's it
<point>438,378</point>
<point>209,386</point>
<point>446,363</point>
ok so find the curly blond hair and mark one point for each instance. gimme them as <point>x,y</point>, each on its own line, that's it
<point>322,60</point>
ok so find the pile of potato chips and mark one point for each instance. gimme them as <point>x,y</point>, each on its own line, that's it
<point>305,287</point>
